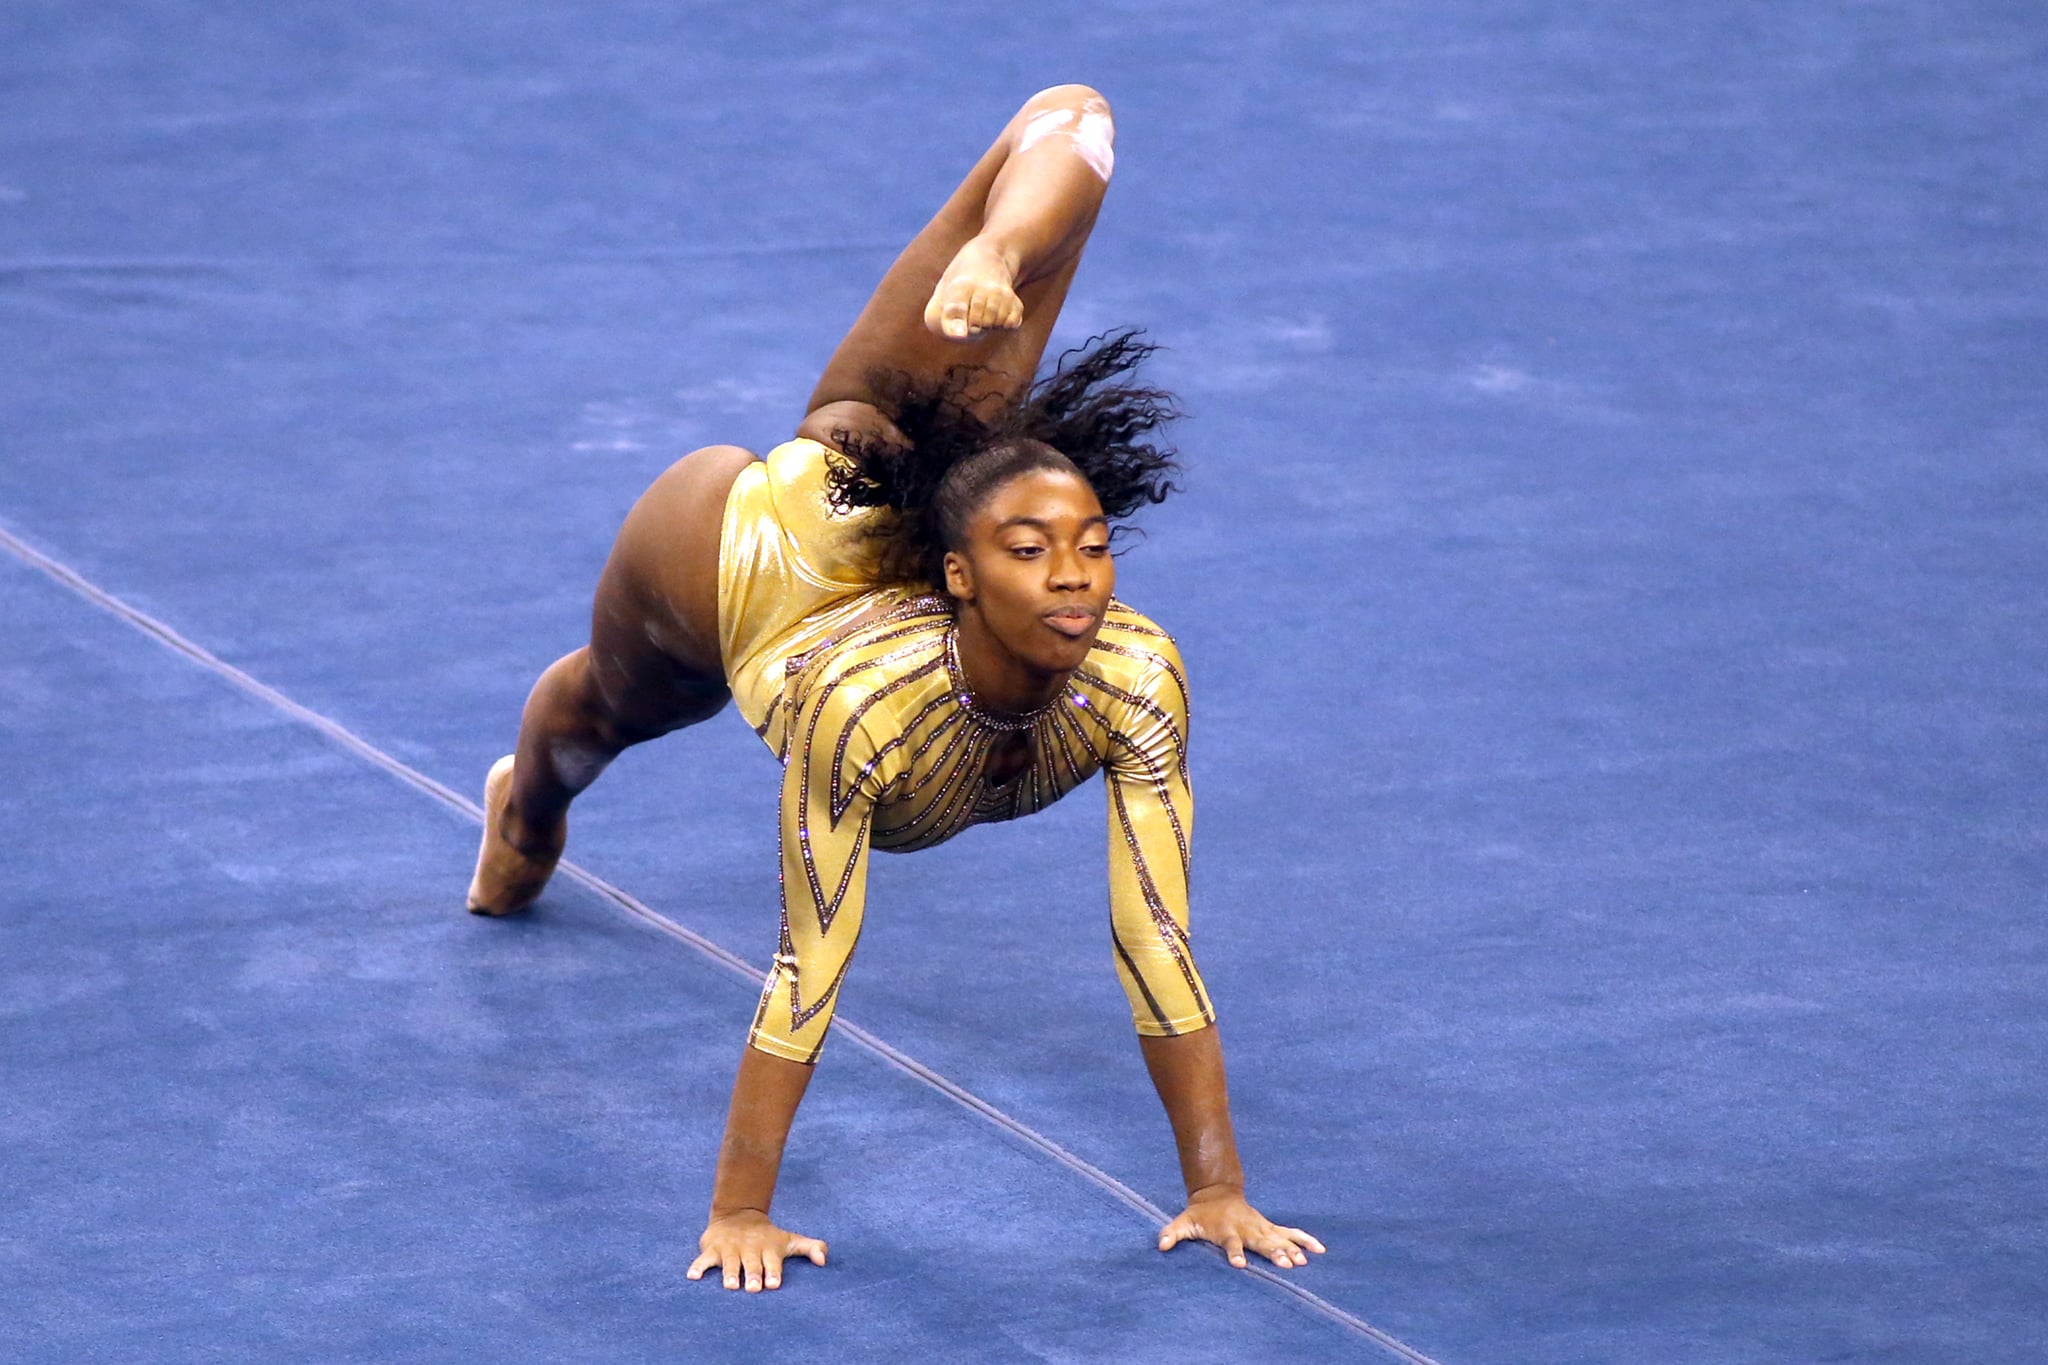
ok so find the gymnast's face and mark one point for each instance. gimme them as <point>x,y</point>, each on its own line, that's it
<point>1036,568</point>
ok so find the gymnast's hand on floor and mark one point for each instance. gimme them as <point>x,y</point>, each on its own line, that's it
<point>1222,1216</point>
<point>977,294</point>
<point>747,1243</point>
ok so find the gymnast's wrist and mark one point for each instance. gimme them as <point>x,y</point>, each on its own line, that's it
<point>1217,1189</point>
<point>720,1213</point>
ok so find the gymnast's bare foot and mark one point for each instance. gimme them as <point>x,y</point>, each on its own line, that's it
<point>977,294</point>
<point>508,880</point>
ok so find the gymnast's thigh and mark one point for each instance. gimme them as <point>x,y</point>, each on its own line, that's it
<point>654,643</point>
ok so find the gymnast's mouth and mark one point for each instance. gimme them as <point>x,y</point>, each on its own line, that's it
<point>1072,620</point>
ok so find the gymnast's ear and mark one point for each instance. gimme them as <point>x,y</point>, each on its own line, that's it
<point>959,577</point>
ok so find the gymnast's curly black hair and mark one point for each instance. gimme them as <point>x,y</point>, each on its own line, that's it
<point>1086,417</point>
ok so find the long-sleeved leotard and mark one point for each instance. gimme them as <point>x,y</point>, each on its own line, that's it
<point>857,689</point>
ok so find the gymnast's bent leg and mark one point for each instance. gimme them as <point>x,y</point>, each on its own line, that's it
<point>652,666</point>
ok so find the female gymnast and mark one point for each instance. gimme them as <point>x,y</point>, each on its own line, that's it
<point>911,602</point>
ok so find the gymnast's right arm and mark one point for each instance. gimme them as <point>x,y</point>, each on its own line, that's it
<point>826,811</point>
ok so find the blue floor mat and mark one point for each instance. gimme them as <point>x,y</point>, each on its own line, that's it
<point>1610,575</point>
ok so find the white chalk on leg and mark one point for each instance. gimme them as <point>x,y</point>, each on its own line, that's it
<point>577,764</point>
<point>1092,132</point>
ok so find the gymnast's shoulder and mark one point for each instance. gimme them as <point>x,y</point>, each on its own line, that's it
<point>1133,653</point>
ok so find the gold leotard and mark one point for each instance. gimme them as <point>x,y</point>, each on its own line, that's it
<point>856,688</point>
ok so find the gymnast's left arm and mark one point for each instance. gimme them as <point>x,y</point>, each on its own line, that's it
<point>1151,821</point>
